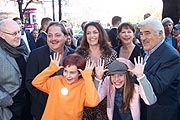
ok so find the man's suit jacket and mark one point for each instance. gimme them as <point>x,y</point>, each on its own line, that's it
<point>163,71</point>
<point>31,41</point>
<point>38,60</point>
<point>41,40</point>
<point>10,78</point>
<point>112,33</point>
<point>174,42</point>
<point>10,82</point>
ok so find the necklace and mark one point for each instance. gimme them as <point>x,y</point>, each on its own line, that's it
<point>64,91</point>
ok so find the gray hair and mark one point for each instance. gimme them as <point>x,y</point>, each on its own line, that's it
<point>155,24</point>
<point>167,19</point>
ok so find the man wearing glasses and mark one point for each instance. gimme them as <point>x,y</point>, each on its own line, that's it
<point>12,72</point>
<point>25,35</point>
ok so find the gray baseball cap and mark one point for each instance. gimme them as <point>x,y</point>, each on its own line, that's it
<point>117,67</point>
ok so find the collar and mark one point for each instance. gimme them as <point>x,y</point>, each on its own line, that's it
<point>151,51</point>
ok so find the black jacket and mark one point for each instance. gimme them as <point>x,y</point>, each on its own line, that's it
<point>38,60</point>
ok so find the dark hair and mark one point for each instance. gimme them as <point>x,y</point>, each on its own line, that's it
<point>115,20</point>
<point>127,92</point>
<point>17,18</point>
<point>125,25</point>
<point>45,20</point>
<point>82,25</point>
<point>63,29</point>
<point>105,46</point>
<point>34,30</point>
<point>74,59</point>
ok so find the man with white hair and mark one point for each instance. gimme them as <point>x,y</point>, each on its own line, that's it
<point>168,27</point>
<point>162,70</point>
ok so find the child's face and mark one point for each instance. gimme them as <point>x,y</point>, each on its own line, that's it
<point>71,74</point>
<point>118,80</point>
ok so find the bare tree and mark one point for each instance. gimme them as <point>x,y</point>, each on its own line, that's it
<point>62,3</point>
<point>22,10</point>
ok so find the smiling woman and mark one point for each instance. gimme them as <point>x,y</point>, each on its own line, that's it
<point>95,47</point>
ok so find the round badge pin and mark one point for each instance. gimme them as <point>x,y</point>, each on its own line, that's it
<point>64,91</point>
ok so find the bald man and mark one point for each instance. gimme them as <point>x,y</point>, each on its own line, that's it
<point>13,94</point>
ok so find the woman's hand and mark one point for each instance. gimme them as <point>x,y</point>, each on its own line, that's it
<point>139,67</point>
<point>127,62</point>
<point>99,69</point>
<point>56,58</point>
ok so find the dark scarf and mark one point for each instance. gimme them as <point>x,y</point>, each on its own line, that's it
<point>14,51</point>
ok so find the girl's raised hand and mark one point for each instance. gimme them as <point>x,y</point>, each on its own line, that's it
<point>56,58</point>
<point>139,67</point>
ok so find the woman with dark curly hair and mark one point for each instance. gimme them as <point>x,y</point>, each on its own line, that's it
<point>95,46</point>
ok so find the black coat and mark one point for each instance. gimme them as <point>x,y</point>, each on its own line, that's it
<point>41,40</point>
<point>38,60</point>
<point>112,33</point>
<point>162,69</point>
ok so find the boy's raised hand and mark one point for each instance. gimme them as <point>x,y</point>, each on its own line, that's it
<point>89,65</point>
<point>56,58</point>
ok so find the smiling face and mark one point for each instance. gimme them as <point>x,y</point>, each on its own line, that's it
<point>126,35</point>
<point>149,37</point>
<point>92,34</point>
<point>176,32</point>
<point>68,41</point>
<point>10,31</point>
<point>118,80</point>
<point>71,74</point>
<point>56,38</point>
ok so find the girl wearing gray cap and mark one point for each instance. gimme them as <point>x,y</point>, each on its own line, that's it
<point>123,95</point>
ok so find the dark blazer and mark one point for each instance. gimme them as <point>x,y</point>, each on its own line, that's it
<point>174,42</point>
<point>38,60</point>
<point>163,71</point>
<point>31,41</point>
<point>112,33</point>
<point>41,40</point>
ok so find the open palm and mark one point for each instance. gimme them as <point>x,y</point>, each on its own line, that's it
<point>56,58</point>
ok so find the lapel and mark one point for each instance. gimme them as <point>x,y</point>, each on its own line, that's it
<point>154,57</point>
<point>13,62</point>
<point>10,60</point>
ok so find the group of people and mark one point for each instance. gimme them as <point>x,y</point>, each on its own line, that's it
<point>94,80</point>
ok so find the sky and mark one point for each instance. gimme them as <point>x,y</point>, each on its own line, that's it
<point>104,10</point>
<point>87,10</point>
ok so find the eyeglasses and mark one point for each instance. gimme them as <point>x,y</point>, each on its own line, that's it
<point>13,34</point>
